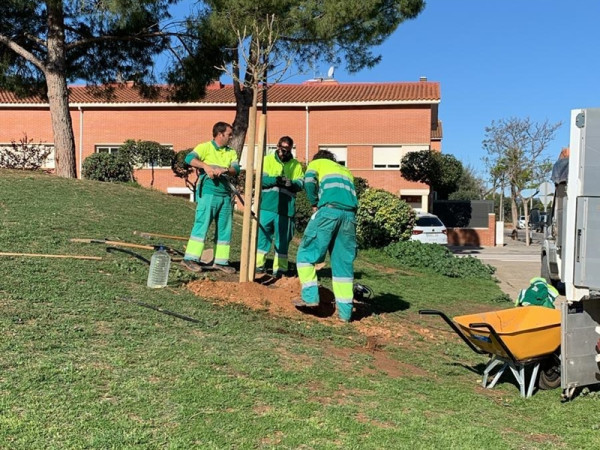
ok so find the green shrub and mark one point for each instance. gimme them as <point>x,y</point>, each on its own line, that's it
<point>140,154</point>
<point>360,186</point>
<point>438,259</point>
<point>303,211</point>
<point>150,153</point>
<point>106,167</point>
<point>382,219</point>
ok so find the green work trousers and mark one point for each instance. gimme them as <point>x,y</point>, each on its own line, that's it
<point>279,229</point>
<point>332,230</point>
<point>211,208</point>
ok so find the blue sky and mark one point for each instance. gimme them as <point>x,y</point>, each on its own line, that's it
<point>495,59</point>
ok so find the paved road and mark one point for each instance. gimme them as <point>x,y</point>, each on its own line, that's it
<point>515,262</point>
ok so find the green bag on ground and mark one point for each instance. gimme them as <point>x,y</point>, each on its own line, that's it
<point>538,293</point>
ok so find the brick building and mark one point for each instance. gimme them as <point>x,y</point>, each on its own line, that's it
<point>369,126</point>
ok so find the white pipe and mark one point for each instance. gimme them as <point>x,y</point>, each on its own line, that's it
<point>306,150</point>
<point>80,140</point>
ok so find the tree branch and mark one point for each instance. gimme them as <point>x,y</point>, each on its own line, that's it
<point>28,56</point>
<point>36,39</point>
<point>140,36</point>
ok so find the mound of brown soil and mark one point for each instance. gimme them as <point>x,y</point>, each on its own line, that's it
<point>275,296</point>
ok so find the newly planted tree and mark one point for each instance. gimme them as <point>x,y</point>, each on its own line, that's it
<point>305,33</point>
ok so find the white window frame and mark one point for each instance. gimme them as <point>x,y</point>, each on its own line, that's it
<point>50,161</point>
<point>340,152</point>
<point>148,166</point>
<point>111,149</point>
<point>389,157</point>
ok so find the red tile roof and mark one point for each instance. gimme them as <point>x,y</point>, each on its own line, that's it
<point>306,93</point>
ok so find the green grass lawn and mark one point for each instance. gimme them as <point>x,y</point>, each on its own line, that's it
<point>81,368</point>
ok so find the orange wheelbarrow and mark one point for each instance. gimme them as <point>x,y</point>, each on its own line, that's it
<point>514,338</point>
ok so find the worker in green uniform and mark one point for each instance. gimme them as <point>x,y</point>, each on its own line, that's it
<point>330,189</point>
<point>282,177</point>
<point>215,159</point>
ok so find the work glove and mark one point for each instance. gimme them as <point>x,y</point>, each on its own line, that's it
<point>283,182</point>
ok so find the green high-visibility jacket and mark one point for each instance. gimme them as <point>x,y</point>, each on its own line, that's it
<point>329,183</point>
<point>278,199</point>
<point>209,153</point>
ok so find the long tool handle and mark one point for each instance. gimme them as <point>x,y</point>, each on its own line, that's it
<point>241,199</point>
<point>115,243</point>
<point>166,236</point>
<point>41,255</point>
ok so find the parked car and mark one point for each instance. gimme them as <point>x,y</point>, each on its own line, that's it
<point>521,222</point>
<point>429,229</point>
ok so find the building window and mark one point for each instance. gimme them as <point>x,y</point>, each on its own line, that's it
<point>340,152</point>
<point>48,163</point>
<point>113,149</point>
<point>163,164</point>
<point>110,149</point>
<point>390,157</point>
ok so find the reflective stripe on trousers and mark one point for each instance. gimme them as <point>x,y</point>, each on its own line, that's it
<point>334,230</point>
<point>211,208</point>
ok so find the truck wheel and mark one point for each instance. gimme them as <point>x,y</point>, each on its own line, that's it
<point>550,373</point>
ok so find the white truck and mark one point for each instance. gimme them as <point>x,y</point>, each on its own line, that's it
<point>571,253</point>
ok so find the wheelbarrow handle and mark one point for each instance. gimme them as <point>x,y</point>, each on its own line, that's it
<point>492,331</point>
<point>457,330</point>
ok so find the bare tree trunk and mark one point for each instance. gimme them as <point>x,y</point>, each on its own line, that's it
<point>513,206</point>
<point>64,141</point>
<point>526,214</point>
<point>58,94</point>
<point>243,99</point>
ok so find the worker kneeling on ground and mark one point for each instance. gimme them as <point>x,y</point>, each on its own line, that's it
<point>282,177</point>
<point>330,190</point>
<point>539,293</point>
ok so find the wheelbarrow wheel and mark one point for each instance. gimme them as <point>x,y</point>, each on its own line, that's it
<point>550,373</point>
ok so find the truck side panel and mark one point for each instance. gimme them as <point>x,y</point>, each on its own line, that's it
<point>587,243</point>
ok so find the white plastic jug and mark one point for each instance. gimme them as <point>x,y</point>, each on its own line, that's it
<point>160,263</point>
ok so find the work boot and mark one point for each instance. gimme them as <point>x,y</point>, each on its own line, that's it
<point>299,303</point>
<point>192,266</point>
<point>224,268</point>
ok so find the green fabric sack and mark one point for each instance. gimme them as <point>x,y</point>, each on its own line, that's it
<point>538,293</point>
